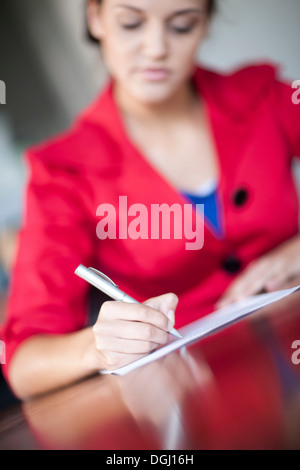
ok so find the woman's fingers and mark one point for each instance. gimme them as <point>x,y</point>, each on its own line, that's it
<point>125,346</point>
<point>114,360</point>
<point>143,313</point>
<point>125,332</point>
<point>276,282</point>
<point>271,272</point>
<point>166,304</point>
<point>131,330</point>
<point>251,282</point>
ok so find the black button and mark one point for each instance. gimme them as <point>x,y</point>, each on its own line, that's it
<point>232,264</point>
<point>240,197</point>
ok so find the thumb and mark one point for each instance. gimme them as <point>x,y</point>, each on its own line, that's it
<point>166,303</point>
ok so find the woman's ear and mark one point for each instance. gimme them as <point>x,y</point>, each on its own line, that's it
<point>94,19</point>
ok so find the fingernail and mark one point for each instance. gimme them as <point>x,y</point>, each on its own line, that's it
<point>171,316</point>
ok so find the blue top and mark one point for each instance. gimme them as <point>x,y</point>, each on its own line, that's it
<point>208,196</point>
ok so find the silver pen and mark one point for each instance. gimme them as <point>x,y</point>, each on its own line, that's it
<point>106,285</point>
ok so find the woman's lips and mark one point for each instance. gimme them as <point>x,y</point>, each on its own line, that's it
<point>155,75</point>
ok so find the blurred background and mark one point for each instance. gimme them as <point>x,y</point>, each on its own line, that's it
<point>51,72</point>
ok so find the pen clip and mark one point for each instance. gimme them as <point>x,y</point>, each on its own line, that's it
<point>106,278</point>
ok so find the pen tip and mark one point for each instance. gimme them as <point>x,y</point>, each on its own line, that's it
<point>175,333</point>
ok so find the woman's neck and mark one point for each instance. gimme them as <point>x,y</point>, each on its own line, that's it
<point>176,107</point>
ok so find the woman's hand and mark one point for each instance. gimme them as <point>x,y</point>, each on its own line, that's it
<point>269,273</point>
<point>125,332</point>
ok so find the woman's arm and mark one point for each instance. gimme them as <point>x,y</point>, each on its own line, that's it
<point>45,362</point>
<point>122,334</point>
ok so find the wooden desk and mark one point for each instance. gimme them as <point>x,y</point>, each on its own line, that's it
<point>237,389</point>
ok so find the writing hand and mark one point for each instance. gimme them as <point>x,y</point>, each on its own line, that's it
<point>125,332</point>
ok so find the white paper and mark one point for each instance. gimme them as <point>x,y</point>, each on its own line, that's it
<point>206,325</point>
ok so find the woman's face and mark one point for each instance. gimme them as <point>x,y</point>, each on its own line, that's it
<point>149,46</point>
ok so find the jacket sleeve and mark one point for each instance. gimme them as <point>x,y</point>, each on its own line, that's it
<point>55,237</point>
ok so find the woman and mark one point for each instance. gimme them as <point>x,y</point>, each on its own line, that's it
<point>162,129</point>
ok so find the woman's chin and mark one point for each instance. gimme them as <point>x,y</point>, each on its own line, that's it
<point>151,95</point>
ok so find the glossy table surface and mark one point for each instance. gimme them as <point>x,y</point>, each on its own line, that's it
<point>236,389</point>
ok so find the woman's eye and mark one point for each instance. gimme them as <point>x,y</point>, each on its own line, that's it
<point>182,30</point>
<point>130,26</point>
<point>183,27</point>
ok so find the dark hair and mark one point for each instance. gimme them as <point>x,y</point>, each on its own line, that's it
<point>211,9</point>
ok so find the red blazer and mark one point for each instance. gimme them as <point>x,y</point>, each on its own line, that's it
<point>257,133</point>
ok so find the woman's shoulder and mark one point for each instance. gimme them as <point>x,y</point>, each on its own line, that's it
<point>87,145</point>
<point>241,89</point>
<point>255,71</point>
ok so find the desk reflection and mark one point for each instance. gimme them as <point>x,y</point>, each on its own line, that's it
<point>237,389</point>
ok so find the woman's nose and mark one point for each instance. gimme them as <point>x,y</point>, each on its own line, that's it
<point>155,42</point>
